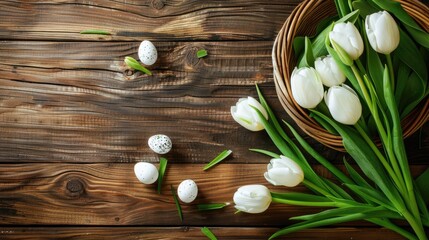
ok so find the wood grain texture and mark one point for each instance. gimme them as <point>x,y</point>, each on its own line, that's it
<point>107,233</point>
<point>148,19</point>
<point>78,102</point>
<point>110,194</point>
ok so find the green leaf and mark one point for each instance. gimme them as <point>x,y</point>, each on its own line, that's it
<point>367,160</point>
<point>208,233</point>
<point>201,53</point>
<point>224,154</point>
<point>95,31</point>
<point>298,46</point>
<point>162,166</point>
<point>412,27</point>
<point>335,216</point>
<point>268,153</point>
<point>308,59</point>
<point>414,93</point>
<point>132,63</point>
<point>343,7</point>
<point>340,193</point>
<point>275,137</point>
<point>422,184</point>
<point>365,7</point>
<point>375,69</point>
<point>409,54</point>
<point>176,201</point>
<point>357,178</point>
<point>316,155</point>
<point>371,195</point>
<point>296,196</point>
<point>211,206</point>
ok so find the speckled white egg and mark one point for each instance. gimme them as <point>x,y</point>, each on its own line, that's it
<point>147,53</point>
<point>160,143</point>
<point>187,191</point>
<point>145,172</point>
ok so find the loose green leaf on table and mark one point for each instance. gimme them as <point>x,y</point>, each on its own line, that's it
<point>208,233</point>
<point>176,201</point>
<point>95,31</point>
<point>162,166</point>
<point>211,206</point>
<point>218,159</point>
<point>131,62</point>
<point>201,53</point>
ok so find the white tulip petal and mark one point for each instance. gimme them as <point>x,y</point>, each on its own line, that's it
<point>244,114</point>
<point>252,198</point>
<point>348,37</point>
<point>307,87</point>
<point>382,32</point>
<point>344,105</point>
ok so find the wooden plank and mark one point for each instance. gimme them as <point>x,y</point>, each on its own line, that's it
<point>107,233</point>
<point>78,102</point>
<point>137,20</point>
<point>110,194</point>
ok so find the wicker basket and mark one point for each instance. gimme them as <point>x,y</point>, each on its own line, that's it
<point>303,21</point>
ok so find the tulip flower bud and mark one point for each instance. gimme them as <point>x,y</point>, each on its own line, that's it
<point>347,36</point>
<point>382,32</point>
<point>284,171</point>
<point>252,198</point>
<point>307,87</point>
<point>246,116</point>
<point>343,104</point>
<point>329,71</point>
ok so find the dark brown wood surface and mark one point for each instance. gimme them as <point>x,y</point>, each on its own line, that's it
<point>74,119</point>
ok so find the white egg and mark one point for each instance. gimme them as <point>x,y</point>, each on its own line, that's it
<point>145,172</point>
<point>187,191</point>
<point>160,143</point>
<point>147,53</point>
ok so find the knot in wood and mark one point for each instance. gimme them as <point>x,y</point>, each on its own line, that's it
<point>158,4</point>
<point>191,59</point>
<point>128,72</point>
<point>75,187</point>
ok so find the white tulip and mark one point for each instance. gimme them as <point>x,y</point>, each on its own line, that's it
<point>284,171</point>
<point>246,116</point>
<point>343,104</point>
<point>307,87</point>
<point>382,32</point>
<point>252,198</point>
<point>347,36</point>
<point>329,71</point>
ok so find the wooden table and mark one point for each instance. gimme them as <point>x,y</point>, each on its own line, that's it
<point>74,119</point>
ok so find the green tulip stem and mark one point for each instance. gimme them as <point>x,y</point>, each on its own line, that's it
<point>309,204</point>
<point>415,225</point>
<point>390,66</point>
<point>387,224</point>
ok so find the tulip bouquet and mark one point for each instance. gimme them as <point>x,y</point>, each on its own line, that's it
<point>358,78</point>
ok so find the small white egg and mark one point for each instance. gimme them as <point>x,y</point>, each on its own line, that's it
<point>187,191</point>
<point>147,53</point>
<point>160,143</point>
<point>145,172</point>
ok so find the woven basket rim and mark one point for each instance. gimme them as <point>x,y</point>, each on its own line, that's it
<point>284,61</point>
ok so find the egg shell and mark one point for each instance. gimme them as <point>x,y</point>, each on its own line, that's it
<point>160,143</point>
<point>145,172</point>
<point>147,53</point>
<point>187,191</point>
